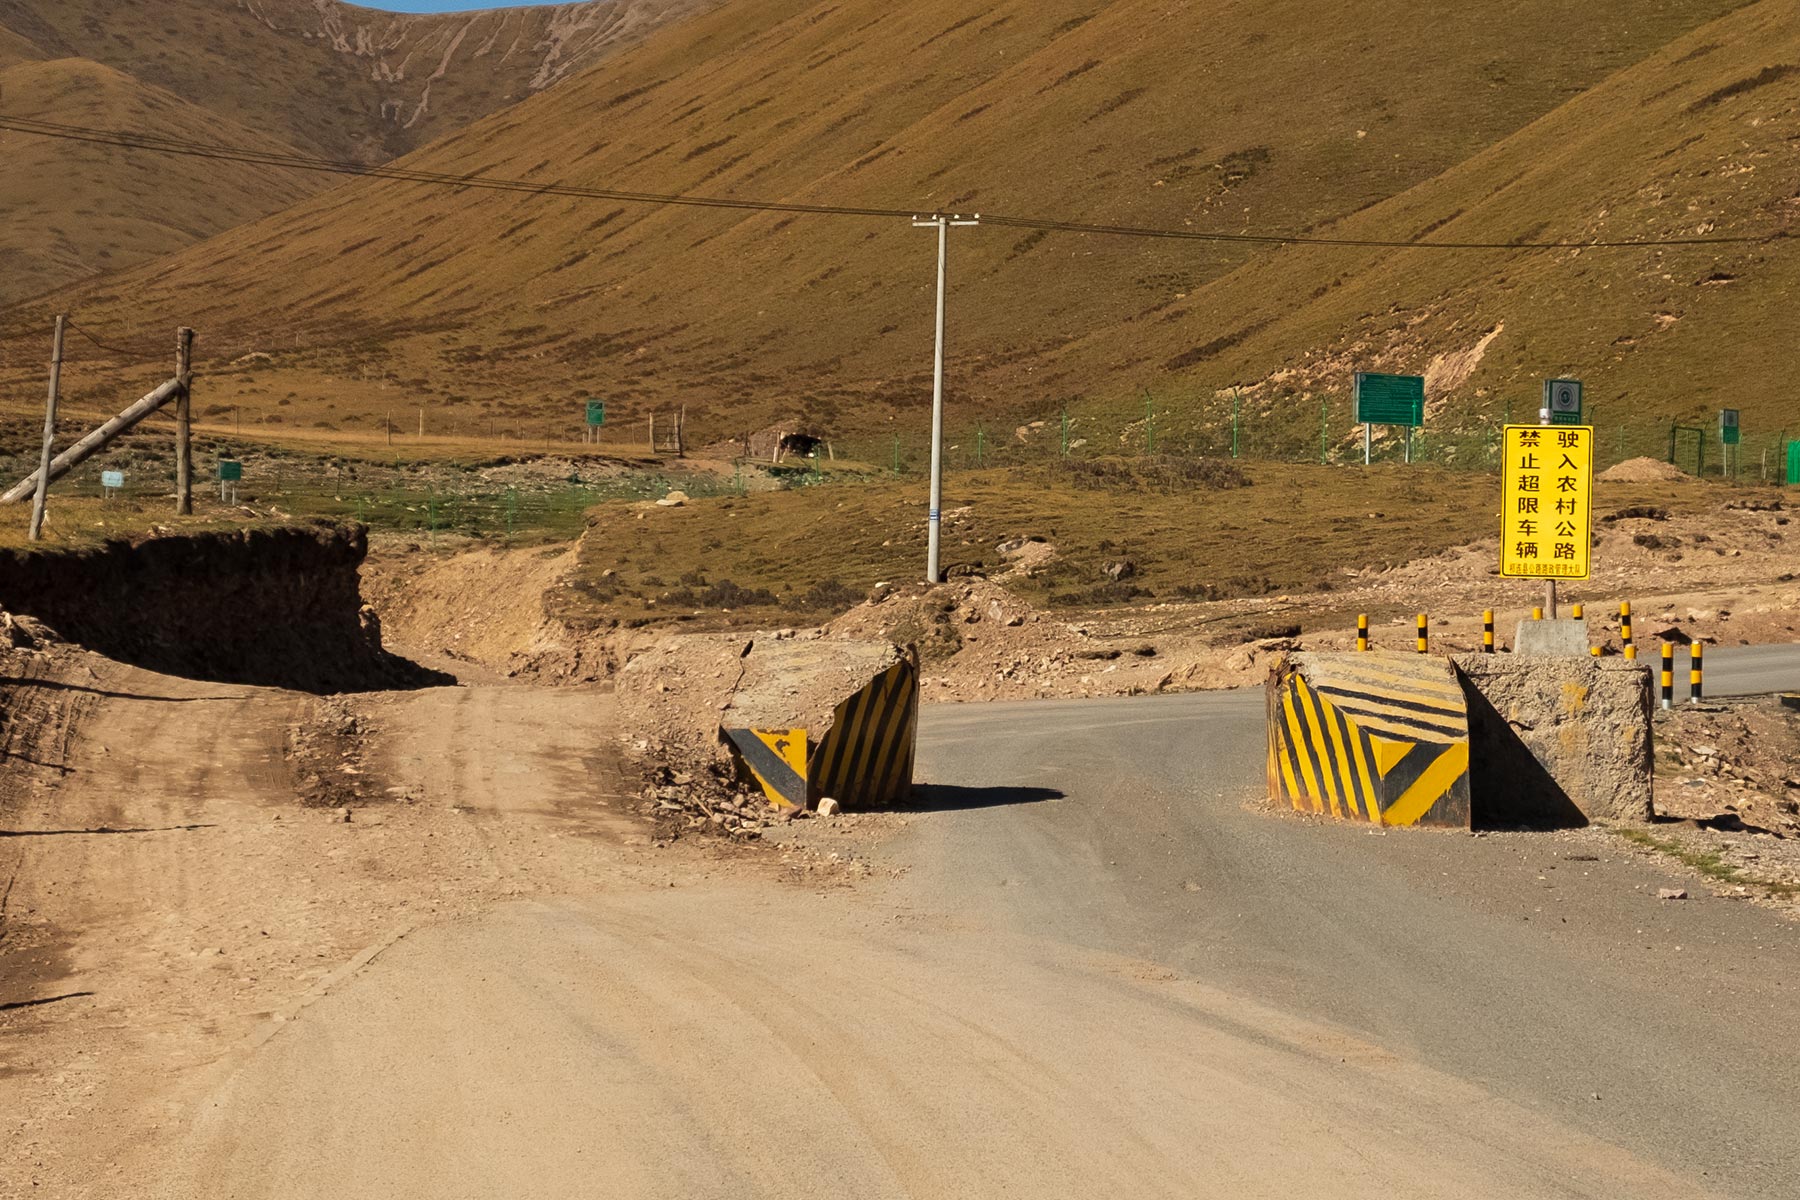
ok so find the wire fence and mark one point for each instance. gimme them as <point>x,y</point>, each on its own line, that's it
<point>1224,429</point>
<point>426,504</point>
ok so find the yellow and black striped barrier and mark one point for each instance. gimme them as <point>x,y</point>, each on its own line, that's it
<point>864,757</point>
<point>1487,631</point>
<point>1625,629</point>
<point>1668,675</point>
<point>1424,635</point>
<point>867,756</point>
<point>1362,631</point>
<point>1694,657</point>
<point>776,759</point>
<point>1380,737</point>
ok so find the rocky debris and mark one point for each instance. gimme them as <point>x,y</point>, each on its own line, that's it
<point>828,807</point>
<point>685,804</point>
<point>324,750</point>
<point>25,633</point>
<point>1730,764</point>
<point>674,499</point>
<point>1671,893</point>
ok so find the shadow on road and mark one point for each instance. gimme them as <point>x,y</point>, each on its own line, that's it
<point>950,797</point>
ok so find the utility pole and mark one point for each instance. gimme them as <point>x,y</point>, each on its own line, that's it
<point>184,445</point>
<point>43,479</point>
<point>942,224</point>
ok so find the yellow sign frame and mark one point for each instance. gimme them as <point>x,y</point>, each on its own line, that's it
<point>1546,501</point>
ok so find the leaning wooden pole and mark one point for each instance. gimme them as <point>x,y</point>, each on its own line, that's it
<point>184,452</point>
<point>85,449</point>
<point>43,479</point>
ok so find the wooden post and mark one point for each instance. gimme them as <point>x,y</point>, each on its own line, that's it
<point>652,435</point>
<point>421,422</point>
<point>94,439</point>
<point>388,420</point>
<point>184,454</point>
<point>681,432</point>
<point>43,480</point>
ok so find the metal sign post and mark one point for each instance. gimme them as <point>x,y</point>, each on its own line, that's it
<point>1388,400</point>
<point>1730,439</point>
<point>111,483</point>
<point>934,515</point>
<point>596,417</point>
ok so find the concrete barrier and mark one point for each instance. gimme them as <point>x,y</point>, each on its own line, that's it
<point>1558,741</point>
<point>1551,638</point>
<point>817,717</point>
<point>1375,736</point>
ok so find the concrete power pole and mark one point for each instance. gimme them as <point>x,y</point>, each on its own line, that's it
<point>942,224</point>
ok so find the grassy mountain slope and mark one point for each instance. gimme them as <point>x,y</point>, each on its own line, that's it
<point>15,49</point>
<point>334,78</point>
<point>75,209</point>
<point>1219,114</point>
<point>1700,140</point>
<point>327,78</point>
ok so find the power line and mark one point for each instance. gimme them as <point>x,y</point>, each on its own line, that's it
<point>118,350</point>
<point>132,140</point>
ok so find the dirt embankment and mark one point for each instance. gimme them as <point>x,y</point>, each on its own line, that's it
<point>492,608</point>
<point>272,606</point>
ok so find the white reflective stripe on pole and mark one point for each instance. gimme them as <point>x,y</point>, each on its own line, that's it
<point>935,515</point>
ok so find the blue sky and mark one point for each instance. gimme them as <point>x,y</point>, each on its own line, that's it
<point>417,6</point>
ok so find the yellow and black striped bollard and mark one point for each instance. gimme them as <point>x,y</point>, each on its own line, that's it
<point>1694,672</point>
<point>1487,631</point>
<point>1424,635</point>
<point>1668,675</point>
<point>1362,631</point>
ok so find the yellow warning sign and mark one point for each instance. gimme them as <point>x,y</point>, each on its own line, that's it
<point>1546,496</point>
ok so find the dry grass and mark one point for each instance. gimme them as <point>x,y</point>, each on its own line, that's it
<point>1290,528</point>
<point>332,80</point>
<point>1520,119</point>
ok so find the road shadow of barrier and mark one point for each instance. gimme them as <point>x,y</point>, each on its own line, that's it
<point>1474,741</point>
<point>954,797</point>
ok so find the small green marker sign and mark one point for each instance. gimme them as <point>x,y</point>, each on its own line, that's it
<point>230,471</point>
<point>1729,434</point>
<point>596,412</point>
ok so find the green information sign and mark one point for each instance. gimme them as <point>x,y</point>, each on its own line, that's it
<point>1728,426</point>
<point>1390,399</point>
<point>230,471</point>
<point>1562,401</point>
<point>596,412</point>
<point>1793,464</point>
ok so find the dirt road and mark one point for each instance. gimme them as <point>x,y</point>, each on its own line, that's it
<point>1086,979</point>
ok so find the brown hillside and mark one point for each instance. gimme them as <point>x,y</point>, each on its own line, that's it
<point>329,79</point>
<point>334,78</point>
<point>15,49</point>
<point>1219,115</point>
<point>75,209</point>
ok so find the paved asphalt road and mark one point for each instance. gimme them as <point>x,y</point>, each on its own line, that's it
<point>1104,969</point>
<point>1510,960</point>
